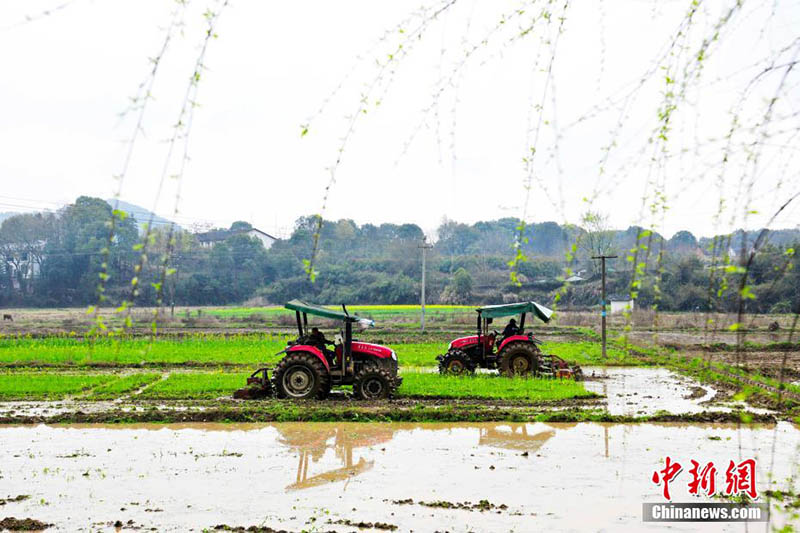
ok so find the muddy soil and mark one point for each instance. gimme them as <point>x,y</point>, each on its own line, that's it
<point>768,363</point>
<point>420,477</point>
<point>695,339</point>
<point>23,524</point>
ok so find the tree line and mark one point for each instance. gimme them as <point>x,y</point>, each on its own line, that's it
<point>55,259</point>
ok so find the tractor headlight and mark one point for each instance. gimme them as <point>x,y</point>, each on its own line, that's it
<point>394,356</point>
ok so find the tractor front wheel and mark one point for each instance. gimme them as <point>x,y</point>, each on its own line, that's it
<point>373,382</point>
<point>301,376</point>
<point>457,363</point>
<point>519,359</point>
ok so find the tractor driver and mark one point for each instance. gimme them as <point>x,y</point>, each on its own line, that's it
<point>317,338</point>
<point>511,329</point>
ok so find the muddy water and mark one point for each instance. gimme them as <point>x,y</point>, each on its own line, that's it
<point>645,390</point>
<point>298,476</point>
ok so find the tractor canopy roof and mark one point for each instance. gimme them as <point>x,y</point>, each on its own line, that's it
<point>495,311</point>
<point>318,310</point>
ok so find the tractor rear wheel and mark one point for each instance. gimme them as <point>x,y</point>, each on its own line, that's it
<point>457,363</point>
<point>373,382</point>
<point>301,376</point>
<point>519,359</point>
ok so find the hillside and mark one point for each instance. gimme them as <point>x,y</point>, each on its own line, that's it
<point>368,263</point>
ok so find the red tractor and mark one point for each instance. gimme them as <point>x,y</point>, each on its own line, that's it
<point>310,369</point>
<point>513,353</point>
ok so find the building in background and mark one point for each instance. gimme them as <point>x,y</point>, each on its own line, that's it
<point>209,238</point>
<point>620,304</point>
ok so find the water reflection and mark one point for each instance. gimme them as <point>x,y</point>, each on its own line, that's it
<point>514,437</point>
<point>313,440</point>
<point>351,445</point>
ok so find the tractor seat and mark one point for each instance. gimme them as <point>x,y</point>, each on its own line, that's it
<point>336,355</point>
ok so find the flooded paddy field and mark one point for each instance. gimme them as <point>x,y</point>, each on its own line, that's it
<point>323,476</point>
<point>144,435</point>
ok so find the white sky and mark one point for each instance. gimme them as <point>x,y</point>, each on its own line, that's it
<point>66,77</point>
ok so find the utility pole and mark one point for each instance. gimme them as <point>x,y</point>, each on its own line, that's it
<point>602,259</point>
<point>425,246</point>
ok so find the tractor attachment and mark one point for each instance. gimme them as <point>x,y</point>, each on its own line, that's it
<point>556,367</point>
<point>258,386</point>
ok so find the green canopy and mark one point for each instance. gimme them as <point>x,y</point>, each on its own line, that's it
<point>318,310</point>
<point>495,311</point>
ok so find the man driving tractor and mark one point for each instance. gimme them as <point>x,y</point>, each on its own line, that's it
<point>317,338</point>
<point>511,329</point>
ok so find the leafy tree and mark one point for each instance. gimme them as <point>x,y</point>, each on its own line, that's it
<point>459,291</point>
<point>598,238</point>
<point>240,225</point>
<point>682,242</point>
<point>74,252</point>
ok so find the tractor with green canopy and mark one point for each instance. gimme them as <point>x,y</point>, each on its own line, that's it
<point>512,351</point>
<point>313,364</point>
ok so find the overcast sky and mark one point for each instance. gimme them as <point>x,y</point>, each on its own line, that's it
<point>420,154</point>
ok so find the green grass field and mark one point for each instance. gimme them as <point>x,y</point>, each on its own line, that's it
<point>490,386</point>
<point>210,385</point>
<point>121,386</point>
<point>200,348</point>
<point>39,386</point>
<point>590,353</point>
<point>196,386</point>
<point>235,349</point>
<point>213,385</point>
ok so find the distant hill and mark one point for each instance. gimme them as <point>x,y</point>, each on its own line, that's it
<point>141,214</point>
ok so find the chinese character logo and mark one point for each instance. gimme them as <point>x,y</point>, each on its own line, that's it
<point>739,478</point>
